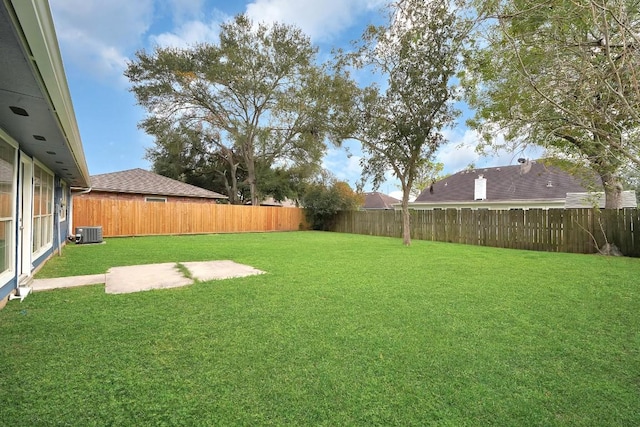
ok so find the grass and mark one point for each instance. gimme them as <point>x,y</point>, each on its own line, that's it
<point>342,330</point>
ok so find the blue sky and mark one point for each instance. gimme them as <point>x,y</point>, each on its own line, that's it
<point>98,37</point>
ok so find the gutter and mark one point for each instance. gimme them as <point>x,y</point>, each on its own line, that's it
<point>83,190</point>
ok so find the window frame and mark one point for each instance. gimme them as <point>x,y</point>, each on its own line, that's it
<point>155,199</point>
<point>42,227</point>
<point>10,222</point>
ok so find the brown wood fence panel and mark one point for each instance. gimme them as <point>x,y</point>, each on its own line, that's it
<point>140,218</point>
<point>553,230</point>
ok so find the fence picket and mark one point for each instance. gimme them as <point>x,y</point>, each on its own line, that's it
<point>137,218</point>
<point>554,230</point>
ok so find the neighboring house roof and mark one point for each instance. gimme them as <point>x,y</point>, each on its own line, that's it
<point>140,181</point>
<point>527,181</point>
<point>376,200</point>
<point>589,200</point>
<point>35,103</point>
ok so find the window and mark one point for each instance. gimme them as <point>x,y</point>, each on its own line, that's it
<point>156,199</point>
<point>7,168</point>
<point>42,208</point>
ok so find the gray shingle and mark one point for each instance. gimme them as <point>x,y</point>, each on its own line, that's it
<point>140,181</point>
<point>376,200</point>
<point>530,181</point>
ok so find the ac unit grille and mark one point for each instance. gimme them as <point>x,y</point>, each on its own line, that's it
<point>88,234</point>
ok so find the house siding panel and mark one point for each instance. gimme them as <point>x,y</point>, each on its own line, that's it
<point>38,262</point>
<point>8,287</point>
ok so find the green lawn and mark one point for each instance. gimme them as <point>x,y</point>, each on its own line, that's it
<point>342,330</point>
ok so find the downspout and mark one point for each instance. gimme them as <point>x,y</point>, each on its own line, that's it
<point>57,225</point>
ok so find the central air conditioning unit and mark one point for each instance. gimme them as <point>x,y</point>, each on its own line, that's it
<point>88,234</point>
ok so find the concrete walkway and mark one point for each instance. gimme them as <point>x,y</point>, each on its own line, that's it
<point>119,280</point>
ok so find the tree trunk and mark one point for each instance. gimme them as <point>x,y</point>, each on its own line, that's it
<point>234,182</point>
<point>251,180</point>
<point>227,188</point>
<point>612,191</point>
<point>406,220</point>
<point>232,188</point>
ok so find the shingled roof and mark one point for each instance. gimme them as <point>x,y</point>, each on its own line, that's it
<point>140,181</point>
<point>376,200</point>
<point>531,180</point>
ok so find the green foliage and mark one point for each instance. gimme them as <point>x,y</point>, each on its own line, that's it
<point>323,201</point>
<point>256,99</point>
<point>400,126</point>
<point>428,173</point>
<point>631,178</point>
<point>185,154</point>
<point>284,183</point>
<point>332,335</point>
<point>562,75</point>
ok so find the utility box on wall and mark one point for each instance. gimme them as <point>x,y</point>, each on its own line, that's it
<point>88,234</point>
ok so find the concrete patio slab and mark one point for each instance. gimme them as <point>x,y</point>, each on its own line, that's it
<point>217,270</point>
<point>137,278</point>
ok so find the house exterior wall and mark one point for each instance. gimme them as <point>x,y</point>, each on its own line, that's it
<point>483,204</point>
<point>41,152</point>
<point>107,195</point>
<point>14,246</point>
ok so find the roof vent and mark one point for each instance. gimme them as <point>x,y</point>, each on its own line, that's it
<point>480,189</point>
<point>549,184</point>
<point>522,160</point>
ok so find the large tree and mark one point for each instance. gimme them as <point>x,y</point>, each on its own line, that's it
<point>258,96</point>
<point>564,75</point>
<point>186,153</point>
<point>399,125</point>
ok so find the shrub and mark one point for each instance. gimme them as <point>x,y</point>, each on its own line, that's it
<point>322,202</point>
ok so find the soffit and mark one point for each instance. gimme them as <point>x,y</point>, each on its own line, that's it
<point>22,85</point>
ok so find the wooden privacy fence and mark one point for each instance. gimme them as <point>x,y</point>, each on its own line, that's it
<point>553,230</point>
<point>140,218</point>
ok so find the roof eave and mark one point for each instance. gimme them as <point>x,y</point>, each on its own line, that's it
<point>37,26</point>
<point>155,193</point>
<point>490,202</point>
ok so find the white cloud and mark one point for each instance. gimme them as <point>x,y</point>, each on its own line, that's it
<point>346,167</point>
<point>96,34</point>
<point>99,36</point>
<point>182,10</point>
<point>396,194</point>
<point>320,20</point>
<point>115,22</point>
<point>189,34</point>
<point>461,151</point>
